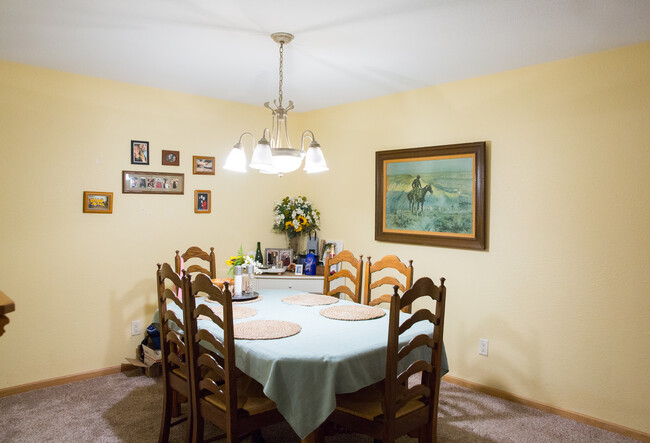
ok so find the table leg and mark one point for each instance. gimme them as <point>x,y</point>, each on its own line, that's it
<point>315,437</point>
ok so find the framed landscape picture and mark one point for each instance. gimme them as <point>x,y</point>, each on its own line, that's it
<point>140,182</point>
<point>203,165</point>
<point>98,202</point>
<point>432,196</point>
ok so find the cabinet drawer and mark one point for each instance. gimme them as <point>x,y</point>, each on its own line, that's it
<point>304,283</point>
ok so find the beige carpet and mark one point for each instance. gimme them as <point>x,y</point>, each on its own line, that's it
<point>126,407</point>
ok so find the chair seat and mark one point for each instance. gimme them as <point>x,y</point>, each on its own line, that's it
<point>179,372</point>
<point>366,403</point>
<point>250,397</point>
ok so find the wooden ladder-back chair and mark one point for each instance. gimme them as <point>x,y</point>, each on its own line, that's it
<point>386,263</point>
<point>331,264</point>
<point>194,252</point>
<point>221,393</point>
<point>390,408</point>
<point>175,371</point>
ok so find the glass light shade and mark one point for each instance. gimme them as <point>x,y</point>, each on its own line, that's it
<point>261,156</point>
<point>280,136</point>
<point>315,161</point>
<point>236,160</point>
<point>286,160</point>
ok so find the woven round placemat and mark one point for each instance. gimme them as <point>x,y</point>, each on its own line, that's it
<point>310,300</point>
<point>265,329</point>
<point>238,312</point>
<point>352,312</point>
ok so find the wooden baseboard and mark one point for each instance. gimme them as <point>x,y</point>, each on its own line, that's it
<point>65,379</point>
<point>608,426</point>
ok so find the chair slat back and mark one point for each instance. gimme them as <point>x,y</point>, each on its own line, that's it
<point>395,272</point>
<point>195,253</point>
<point>172,326</point>
<point>212,374</point>
<point>353,275</point>
<point>397,393</point>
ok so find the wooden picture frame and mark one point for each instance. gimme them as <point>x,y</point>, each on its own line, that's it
<point>171,158</point>
<point>202,202</point>
<point>98,202</point>
<point>139,152</point>
<point>140,182</point>
<point>432,196</point>
<point>202,165</point>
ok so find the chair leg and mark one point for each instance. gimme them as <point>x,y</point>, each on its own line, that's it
<point>165,424</point>
<point>197,428</point>
<point>176,404</point>
<point>427,434</point>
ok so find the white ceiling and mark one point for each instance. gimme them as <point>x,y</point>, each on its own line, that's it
<point>344,50</point>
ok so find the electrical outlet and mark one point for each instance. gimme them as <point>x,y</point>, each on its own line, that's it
<point>136,327</point>
<point>483,346</point>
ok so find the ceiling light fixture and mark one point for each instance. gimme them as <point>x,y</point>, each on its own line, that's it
<point>277,156</point>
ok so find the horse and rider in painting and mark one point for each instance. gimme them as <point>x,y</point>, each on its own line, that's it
<point>416,196</point>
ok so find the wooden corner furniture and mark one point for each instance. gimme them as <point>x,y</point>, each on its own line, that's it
<point>390,408</point>
<point>6,306</point>
<point>221,393</point>
<point>388,262</point>
<point>175,371</point>
<point>194,252</point>
<point>331,265</point>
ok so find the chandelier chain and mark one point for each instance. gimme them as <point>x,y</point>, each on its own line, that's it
<point>281,62</point>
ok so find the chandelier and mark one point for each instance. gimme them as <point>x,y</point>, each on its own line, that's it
<point>277,156</point>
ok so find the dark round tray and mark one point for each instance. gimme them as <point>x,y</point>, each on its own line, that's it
<point>245,297</point>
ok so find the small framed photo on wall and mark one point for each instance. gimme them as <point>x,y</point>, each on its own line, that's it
<point>203,165</point>
<point>98,202</point>
<point>202,201</point>
<point>139,152</point>
<point>171,158</point>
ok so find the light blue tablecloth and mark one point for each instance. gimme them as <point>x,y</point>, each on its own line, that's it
<point>302,374</point>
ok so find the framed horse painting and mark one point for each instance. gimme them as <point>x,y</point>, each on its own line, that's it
<point>432,196</point>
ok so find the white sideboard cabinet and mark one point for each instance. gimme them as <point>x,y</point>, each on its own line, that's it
<point>307,283</point>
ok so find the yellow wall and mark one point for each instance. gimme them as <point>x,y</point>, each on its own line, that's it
<point>561,292</point>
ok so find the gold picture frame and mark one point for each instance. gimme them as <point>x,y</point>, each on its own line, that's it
<point>98,202</point>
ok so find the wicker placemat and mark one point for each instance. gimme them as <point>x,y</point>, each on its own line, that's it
<point>236,302</point>
<point>265,329</point>
<point>352,312</point>
<point>310,300</point>
<point>238,312</point>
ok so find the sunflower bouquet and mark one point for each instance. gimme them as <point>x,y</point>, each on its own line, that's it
<point>240,259</point>
<point>295,216</point>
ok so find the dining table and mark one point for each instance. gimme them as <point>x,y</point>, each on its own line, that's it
<point>302,373</point>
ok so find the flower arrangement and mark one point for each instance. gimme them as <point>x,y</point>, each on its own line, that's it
<point>295,216</point>
<point>241,259</point>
